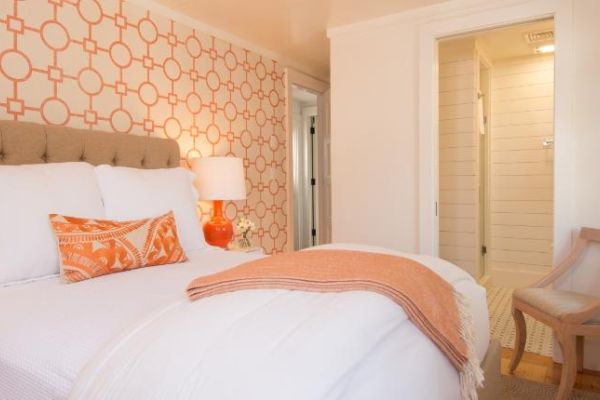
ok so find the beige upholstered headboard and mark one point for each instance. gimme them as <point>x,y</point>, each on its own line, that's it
<point>29,143</point>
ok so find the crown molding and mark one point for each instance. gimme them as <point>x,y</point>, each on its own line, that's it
<point>422,14</point>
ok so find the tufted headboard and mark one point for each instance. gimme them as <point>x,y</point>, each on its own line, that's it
<point>30,143</point>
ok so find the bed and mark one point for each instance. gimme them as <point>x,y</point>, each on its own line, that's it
<point>147,340</point>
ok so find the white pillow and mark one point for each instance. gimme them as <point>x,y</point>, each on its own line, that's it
<point>131,193</point>
<point>28,193</point>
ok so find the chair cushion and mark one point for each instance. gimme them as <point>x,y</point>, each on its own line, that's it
<point>556,302</point>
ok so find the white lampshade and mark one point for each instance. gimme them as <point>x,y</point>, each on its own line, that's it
<point>220,178</point>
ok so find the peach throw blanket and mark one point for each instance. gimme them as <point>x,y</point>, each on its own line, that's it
<point>430,302</point>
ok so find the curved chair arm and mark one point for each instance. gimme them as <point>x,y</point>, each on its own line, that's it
<point>584,315</point>
<point>590,234</point>
<point>565,265</point>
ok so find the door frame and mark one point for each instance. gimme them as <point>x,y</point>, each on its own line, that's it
<point>487,178</point>
<point>490,15</point>
<point>320,88</point>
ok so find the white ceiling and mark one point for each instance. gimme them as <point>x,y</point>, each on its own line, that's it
<point>295,29</point>
<point>509,42</point>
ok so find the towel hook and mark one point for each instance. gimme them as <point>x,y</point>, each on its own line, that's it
<point>547,142</point>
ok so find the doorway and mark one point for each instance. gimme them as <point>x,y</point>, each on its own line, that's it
<point>304,150</point>
<point>309,183</point>
<point>496,150</point>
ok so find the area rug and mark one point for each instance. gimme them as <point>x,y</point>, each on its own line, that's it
<point>519,389</point>
<point>539,336</point>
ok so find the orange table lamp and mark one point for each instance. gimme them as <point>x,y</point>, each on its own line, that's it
<point>218,179</point>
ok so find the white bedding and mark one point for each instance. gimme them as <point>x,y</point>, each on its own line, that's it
<point>267,344</point>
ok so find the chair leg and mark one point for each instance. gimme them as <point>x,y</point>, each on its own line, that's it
<point>568,345</point>
<point>580,345</point>
<point>520,339</point>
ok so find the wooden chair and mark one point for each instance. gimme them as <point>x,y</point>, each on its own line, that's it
<point>571,315</point>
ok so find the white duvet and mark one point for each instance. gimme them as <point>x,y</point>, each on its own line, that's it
<point>134,335</point>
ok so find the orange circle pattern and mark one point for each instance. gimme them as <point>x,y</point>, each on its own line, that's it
<point>112,65</point>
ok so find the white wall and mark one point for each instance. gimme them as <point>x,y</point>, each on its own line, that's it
<point>373,156</point>
<point>374,76</point>
<point>586,147</point>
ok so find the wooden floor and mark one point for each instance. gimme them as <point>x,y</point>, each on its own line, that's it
<point>534,367</point>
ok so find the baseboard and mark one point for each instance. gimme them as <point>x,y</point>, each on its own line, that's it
<point>486,281</point>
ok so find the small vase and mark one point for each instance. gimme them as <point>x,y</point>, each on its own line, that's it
<point>244,243</point>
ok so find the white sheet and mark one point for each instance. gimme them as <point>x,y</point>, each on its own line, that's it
<point>51,331</point>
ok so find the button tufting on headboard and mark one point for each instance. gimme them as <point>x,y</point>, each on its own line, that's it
<point>30,143</point>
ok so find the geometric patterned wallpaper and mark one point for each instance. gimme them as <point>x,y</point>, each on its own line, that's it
<point>112,65</point>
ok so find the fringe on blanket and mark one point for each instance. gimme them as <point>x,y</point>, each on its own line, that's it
<point>471,376</point>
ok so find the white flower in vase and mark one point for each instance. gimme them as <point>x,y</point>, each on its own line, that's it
<point>244,226</point>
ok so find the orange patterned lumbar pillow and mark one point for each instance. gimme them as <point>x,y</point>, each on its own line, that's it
<point>90,247</point>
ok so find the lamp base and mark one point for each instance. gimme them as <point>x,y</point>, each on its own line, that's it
<point>218,231</point>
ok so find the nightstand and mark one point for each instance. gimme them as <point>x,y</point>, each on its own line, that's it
<point>253,249</point>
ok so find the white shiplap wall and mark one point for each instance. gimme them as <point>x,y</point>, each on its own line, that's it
<point>521,196</point>
<point>458,154</point>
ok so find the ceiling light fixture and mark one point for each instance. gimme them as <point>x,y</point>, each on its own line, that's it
<point>548,48</point>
